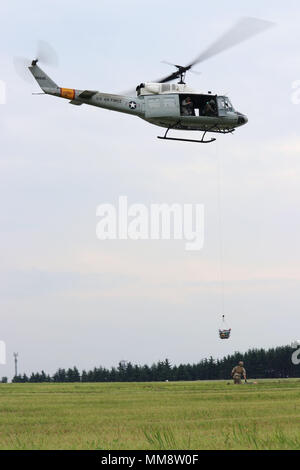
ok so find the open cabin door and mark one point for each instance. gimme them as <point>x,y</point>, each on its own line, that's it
<point>162,106</point>
<point>198,105</point>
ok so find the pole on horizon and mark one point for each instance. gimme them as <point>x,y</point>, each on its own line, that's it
<point>16,363</point>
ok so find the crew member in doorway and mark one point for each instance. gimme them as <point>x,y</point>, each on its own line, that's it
<point>210,108</point>
<point>187,107</point>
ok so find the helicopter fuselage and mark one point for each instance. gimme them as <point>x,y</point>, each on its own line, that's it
<point>170,106</point>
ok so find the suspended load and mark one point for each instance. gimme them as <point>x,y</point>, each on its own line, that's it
<point>224,333</point>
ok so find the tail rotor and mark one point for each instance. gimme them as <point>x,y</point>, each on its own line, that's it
<point>44,54</point>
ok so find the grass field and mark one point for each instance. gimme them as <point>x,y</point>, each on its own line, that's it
<point>158,416</point>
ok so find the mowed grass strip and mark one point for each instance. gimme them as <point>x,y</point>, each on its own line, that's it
<point>166,416</point>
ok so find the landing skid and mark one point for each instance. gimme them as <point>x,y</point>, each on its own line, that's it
<point>202,141</point>
<point>188,140</point>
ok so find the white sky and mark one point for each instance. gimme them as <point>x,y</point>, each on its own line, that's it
<point>68,299</point>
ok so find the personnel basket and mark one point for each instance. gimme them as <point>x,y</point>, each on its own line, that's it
<point>224,334</point>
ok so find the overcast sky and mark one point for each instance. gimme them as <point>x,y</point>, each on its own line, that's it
<point>69,299</point>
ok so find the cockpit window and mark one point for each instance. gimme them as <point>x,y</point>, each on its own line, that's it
<point>224,104</point>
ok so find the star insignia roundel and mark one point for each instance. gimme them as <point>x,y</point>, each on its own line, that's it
<point>132,105</point>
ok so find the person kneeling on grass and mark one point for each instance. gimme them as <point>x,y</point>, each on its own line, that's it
<point>238,372</point>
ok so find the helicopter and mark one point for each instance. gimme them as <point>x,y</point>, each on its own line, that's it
<point>174,106</point>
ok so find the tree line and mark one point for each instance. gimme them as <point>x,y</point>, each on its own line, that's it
<point>259,363</point>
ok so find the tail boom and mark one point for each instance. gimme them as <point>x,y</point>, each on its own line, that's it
<point>119,103</point>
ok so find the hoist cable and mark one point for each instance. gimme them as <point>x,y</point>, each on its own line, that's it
<point>220,223</point>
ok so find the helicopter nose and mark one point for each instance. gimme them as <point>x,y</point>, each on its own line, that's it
<point>242,119</point>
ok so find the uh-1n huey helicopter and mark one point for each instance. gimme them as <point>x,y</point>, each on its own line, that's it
<point>169,105</point>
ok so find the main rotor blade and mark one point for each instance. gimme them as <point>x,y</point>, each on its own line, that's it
<point>169,78</point>
<point>245,29</point>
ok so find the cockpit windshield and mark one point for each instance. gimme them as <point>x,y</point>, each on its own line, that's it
<point>224,104</point>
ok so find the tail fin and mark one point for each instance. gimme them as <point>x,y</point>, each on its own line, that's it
<point>42,78</point>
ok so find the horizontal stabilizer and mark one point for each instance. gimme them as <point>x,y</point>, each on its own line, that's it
<point>76,102</point>
<point>87,94</point>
